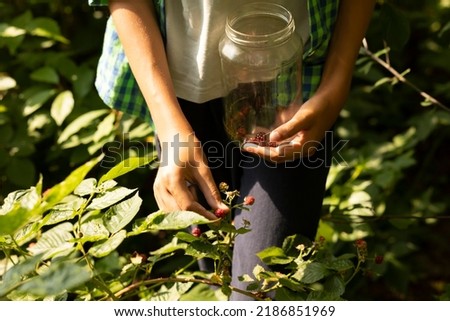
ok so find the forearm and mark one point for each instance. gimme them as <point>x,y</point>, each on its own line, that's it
<point>138,30</point>
<point>351,25</point>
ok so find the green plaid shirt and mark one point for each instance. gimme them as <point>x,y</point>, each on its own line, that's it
<point>118,88</point>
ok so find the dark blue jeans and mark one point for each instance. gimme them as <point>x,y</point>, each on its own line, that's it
<point>288,196</point>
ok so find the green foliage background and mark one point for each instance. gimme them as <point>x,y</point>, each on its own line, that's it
<point>391,186</point>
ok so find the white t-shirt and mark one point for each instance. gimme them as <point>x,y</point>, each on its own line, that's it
<point>194,29</point>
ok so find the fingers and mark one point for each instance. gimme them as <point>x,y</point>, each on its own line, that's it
<point>175,195</point>
<point>209,189</point>
<point>296,147</point>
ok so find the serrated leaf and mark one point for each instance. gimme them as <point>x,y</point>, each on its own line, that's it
<point>61,190</point>
<point>274,255</point>
<point>93,230</point>
<point>54,241</point>
<point>173,293</point>
<point>86,187</point>
<point>201,249</point>
<point>285,294</point>
<point>314,272</point>
<point>58,278</point>
<point>118,216</point>
<point>110,198</point>
<point>174,220</point>
<point>18,210</point>
<point>27,233</point>
<point>340,265</point>
<point>64,211</point>
<point>62,106</point>
<point>11,279</point>
<point>104,248</point>
<point>257,270</point>
<point>126,166</point>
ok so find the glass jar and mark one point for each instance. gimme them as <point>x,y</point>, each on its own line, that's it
<point>261,58</point>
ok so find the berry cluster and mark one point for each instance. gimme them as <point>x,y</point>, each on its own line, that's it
<point>261,139</point>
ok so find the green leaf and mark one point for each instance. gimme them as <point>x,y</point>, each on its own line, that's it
<point>64,211</point>
<point>199,292</point>
<point>187,237</point>
<point>314,272</point>
<point>274,255</point>
<point>104,248</point>
<point>79,123</point>
<point>340,265</point>
<point>169,248</point>
<point>86,187</point>
<point>83,81</point>
<point>47,28</point>
<point>61,190</point>
<point>62,106</point>
<point>396,26</point>
<point>126,166</point>
<point>174,220</point>
<point>12,278</point>
<point>6,82</point>
<point>110,198</point>
<point>93,230</point>
<point>35,97</point>
<point>105,127</point>
<point>45,74</point>
<point>55,241</point>
<point>201,249</point>
<point>285,294</point>
<point>118,216</point>
<point>173,293</point>
<point>60,277</point>
<point>18,210</point>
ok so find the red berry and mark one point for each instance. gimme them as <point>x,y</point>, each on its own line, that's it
<point>361,244</point>
<point>220,213</point>
<point>196,232</point>
<point>379,259</point>
<point>249,200</point>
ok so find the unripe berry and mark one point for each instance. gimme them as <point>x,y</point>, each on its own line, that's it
<point>196,232</point>
<point>249,200</point>
<point>220,213</point>
<point>379,259</point>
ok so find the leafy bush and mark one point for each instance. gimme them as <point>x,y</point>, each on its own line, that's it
<point>64,244</point>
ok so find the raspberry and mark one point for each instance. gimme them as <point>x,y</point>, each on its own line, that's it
<point>249,200</point>
<point>220,213</point>
<point>196,232</point>
<point>379,259</point>
<point>361,244</point>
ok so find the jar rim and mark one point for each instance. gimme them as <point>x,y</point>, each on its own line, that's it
<point>260,9</point>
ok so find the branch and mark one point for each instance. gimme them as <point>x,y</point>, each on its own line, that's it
<point>183,280</point>
<point>400,77</point>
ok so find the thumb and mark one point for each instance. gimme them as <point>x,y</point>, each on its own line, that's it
<point>210,190</point>
<point>287,130</point>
